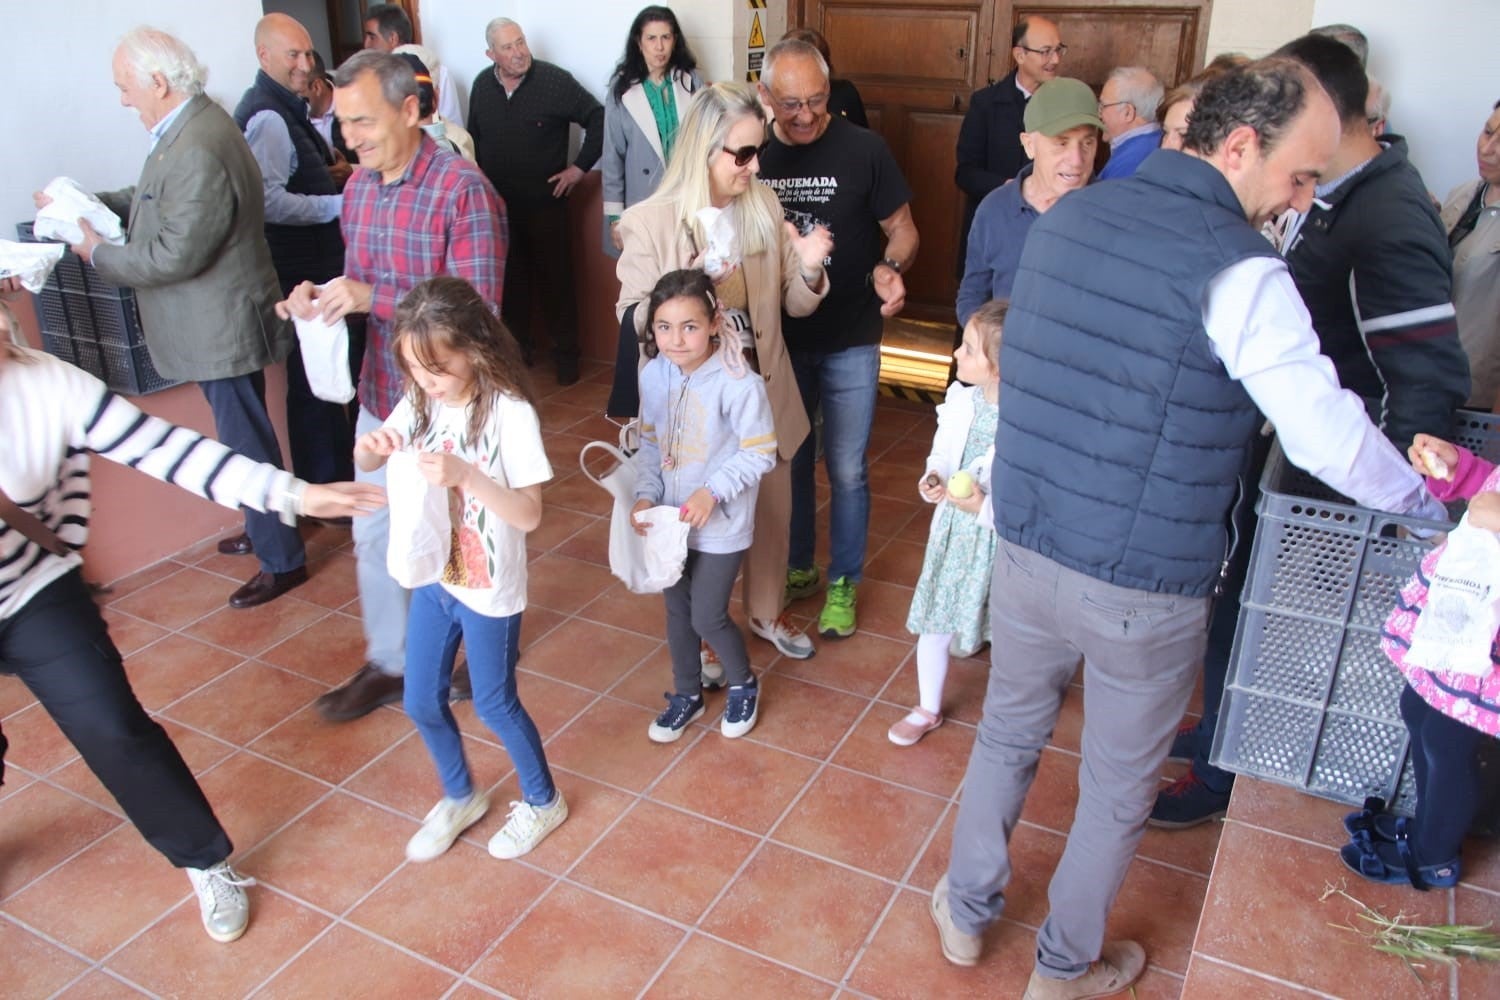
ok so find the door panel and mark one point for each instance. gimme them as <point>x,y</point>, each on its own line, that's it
<point>917,62</point>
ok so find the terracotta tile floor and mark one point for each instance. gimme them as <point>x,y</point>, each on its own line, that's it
<point>795,862</point>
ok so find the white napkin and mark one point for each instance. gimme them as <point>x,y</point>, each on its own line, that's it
<point>70,202</point>
<point>31,262</point>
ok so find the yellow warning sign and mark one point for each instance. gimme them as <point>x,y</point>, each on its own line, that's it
<point>757,36</point>
<point>756,4</point>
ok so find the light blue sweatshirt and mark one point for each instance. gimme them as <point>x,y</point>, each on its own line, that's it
<point>718,432</point>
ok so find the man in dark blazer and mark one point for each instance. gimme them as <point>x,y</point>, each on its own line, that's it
<point>196,255</point>
<point>989,140</point>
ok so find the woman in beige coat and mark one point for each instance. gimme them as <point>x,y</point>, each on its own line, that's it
<point>712,213</point>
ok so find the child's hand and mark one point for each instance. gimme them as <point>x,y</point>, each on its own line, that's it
<point>970,504</point>
<point>640,526</point>
<point>443,469</point>
<point>701,504</point>
<point>931,487</point>
<point>1484,511</point>
<point>1424,449</point>
<point>382,441</point>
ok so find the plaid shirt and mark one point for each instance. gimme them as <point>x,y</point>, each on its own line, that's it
<point>441,217</point>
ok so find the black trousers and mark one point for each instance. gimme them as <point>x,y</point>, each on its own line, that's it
<point>320,433</point>
<point>1444,759</point>
<point>538,264</point>
<point>59,647</point>
<point>240,418</point>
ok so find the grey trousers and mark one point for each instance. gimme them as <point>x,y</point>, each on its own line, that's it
<point>698,608</point>
<point>1141,653</point>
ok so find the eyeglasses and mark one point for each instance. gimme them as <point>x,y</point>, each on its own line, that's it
<point>1111,104</point>
<point>1047,53</point>
<point>745,154</point>
<point>815,104</point>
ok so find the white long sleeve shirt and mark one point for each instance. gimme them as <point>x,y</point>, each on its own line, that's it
<point>54,415</point>
<point>271,144</point>
<point>1263,334</point>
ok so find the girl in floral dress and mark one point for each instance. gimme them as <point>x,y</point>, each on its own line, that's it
<point>951,602</point>
<point>469,414</point>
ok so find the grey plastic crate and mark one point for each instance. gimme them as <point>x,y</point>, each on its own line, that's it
<point>1311,700</point>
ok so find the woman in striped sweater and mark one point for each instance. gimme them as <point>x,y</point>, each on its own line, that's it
<point>52,636</point>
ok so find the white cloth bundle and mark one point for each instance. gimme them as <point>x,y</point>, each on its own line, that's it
<point>31,262</point>
<point>325,357</point>
<point>70,202</point>
<point>649,564</point>
<point>421,531</point>
<point>1457,628</point>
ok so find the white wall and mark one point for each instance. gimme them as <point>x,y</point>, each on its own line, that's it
<point>1440,69</point>
<point>1255,27</point>
<point>587,41</point>
<point>69,119</point>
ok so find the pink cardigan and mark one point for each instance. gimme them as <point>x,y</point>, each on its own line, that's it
<point>1474,701</point>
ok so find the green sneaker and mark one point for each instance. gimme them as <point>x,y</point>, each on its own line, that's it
<point>837,619</point>
<point>802,583</point>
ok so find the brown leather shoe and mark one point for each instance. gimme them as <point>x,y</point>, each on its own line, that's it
<point>239,545</point>
<point>263,587</point>
<point>366,691</point>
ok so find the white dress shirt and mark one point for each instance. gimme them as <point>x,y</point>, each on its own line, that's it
<point>1263,334</point>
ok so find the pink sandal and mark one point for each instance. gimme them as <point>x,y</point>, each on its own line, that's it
<point>917,724</point>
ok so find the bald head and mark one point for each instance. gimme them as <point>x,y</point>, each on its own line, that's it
<point>1038,49</point>
<point>284,50</point>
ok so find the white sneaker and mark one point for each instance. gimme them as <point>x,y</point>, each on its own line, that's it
<point>527,826</point>
<point>221,900</point>
<point>787,640</point>
<point>443,825</point>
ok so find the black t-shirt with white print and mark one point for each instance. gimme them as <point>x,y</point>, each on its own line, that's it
<point>847,181</point>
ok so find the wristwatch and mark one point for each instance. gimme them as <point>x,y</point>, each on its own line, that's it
<point>894,265</point>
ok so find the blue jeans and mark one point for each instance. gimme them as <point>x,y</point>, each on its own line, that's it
<point>382,601</point>
<point>493,645</point>
<point>845,384</point>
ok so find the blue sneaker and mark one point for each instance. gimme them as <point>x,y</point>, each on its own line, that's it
<point>1395,864</point>
<point>740,710</point>
<point>1187,802</point>
<point>680,713</point>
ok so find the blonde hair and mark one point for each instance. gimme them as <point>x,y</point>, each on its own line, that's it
<point>713,111</point>
<point>989,320</point>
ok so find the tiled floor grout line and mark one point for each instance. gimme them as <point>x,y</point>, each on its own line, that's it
<point>1256,973</point>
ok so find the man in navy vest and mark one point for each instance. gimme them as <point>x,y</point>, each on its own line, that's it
<point>302,228</point>
<point>1148,322</point>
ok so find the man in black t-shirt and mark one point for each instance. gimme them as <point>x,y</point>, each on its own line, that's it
<point>831,173</point>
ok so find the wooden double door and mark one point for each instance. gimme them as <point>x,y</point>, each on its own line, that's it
<point>917,62</point>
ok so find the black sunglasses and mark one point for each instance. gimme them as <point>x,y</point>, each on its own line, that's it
<point>745,154</point>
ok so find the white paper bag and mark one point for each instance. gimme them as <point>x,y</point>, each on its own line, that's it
<point>325,358</point>
<point>31,262</point>
<point>70,202</point>
<point>421,531</point>
<point>649,564</point>
<point>1457,628</point>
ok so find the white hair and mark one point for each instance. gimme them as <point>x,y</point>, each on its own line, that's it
<point>150,51</point>
<point>790,47</point>
<point>493,28</point>
<point>1140,88</point>
<point>1378,104</point>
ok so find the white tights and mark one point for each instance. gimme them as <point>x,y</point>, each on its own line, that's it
<point>932,670</point>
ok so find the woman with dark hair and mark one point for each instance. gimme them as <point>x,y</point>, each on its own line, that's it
<point>843,97</point>
<point>1471,214</point>
<point>649,90</point>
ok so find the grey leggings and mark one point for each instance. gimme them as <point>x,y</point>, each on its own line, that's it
<point>698,608</point>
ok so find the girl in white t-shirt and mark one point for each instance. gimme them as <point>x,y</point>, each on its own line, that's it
<point>469,415</point>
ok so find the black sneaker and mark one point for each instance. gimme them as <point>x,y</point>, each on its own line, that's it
<point>671,724</point>
<point>740,710</point>
<point>1184,744</point>
<point>1187,802</point>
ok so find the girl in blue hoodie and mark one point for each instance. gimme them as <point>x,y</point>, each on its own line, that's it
<point>706,440</point>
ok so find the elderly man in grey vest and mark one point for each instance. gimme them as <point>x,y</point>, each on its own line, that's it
<point>1148,323</point>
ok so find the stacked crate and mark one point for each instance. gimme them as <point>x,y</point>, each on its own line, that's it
<point>94,325</point>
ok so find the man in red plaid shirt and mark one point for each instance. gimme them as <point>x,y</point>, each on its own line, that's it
<point>410,212</point>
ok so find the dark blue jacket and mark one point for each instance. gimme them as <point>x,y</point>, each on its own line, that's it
<point>1121,436</point>
<point>989,151</point>
<point>300,253</point>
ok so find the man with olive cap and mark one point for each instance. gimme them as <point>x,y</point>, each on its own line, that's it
<point>1062,134</point>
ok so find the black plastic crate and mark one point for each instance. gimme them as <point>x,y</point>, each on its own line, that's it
<point>129,370</point>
